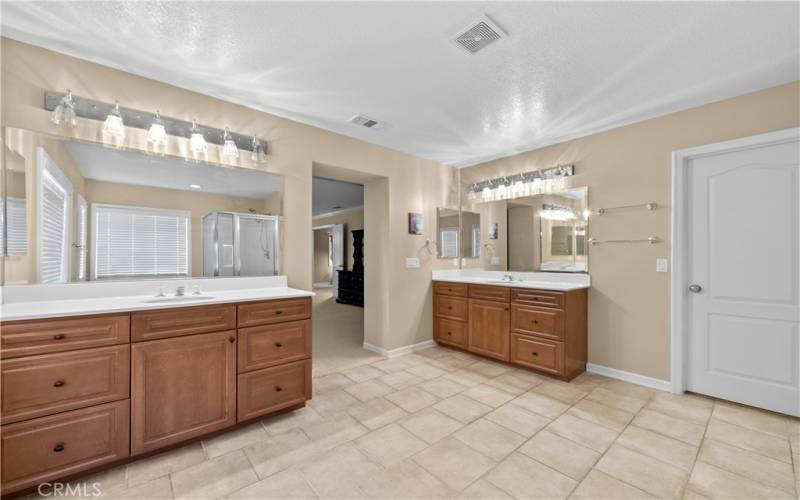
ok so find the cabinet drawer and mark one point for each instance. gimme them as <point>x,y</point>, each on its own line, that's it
<point>52,383</point>
<point>539,321</point>
<point>538,297</point>
<point>269,345</point>
<point>542,354</point>
<point>150,325</point>
<point>26,338</point>
<point>450,332</point>
<point>489,292</point>
<point>448,288</point>
<point>272,389</point>
<point>274,311</point>
<point>52,447</point>
<point>454,308</point>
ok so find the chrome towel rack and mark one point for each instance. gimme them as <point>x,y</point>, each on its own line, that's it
<point>650,239</point>
<point>651,205</point>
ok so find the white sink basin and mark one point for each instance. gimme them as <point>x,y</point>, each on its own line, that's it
<point>504,281</point>
<point>180,298</point>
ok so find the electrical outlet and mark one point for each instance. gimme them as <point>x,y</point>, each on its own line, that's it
<point>412,263</point>
<point>662,266</point>
<point>495,260</point>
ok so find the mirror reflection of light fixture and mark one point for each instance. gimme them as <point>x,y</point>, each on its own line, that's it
<point>197,143</point>
<point>113,126</point>
<point>229,150</point>
<point>157,134</point>
<point>64,114</point>
<point>554,212</point>
<point>195,186</point>
<point>258,154</point>
<point>486,194</point>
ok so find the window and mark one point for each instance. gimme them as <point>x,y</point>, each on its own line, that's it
<point>131,242</point>
<point>80,246</point>
<point>476,240</point>
<point>449,242</point>
<point>16,233</point>
<point>55,196</point>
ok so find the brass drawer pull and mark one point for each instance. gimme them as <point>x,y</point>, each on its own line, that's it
<point>58,337</point>
<point>59,448</point>
<point>450,333</point>
<point>278,344</point>
<point>58,383</point>
<point>278,312</point>
<point>278,388</point>
<point>231,339</point>
<point>535,322</point>
<point>535,353</point>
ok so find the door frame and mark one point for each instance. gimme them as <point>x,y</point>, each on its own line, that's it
<point>679,252</point>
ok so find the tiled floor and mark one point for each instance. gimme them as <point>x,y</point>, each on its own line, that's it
<point>444,424</point>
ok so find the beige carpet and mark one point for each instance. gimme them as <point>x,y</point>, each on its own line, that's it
<point>338,335</point>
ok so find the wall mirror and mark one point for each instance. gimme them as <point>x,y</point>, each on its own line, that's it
<point>81,211</point>
<point>541,232</point>
<point>458,234</point>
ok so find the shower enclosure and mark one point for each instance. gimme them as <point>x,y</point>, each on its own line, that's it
<point>240,244</point>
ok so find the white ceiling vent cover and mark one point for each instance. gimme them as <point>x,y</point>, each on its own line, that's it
<point>364,121</point>
<point>478,35</point>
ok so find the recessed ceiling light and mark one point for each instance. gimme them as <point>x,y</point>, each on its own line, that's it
<point>195,186</point>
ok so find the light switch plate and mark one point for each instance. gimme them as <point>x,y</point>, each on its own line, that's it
<point>495,260</point>
<point>662,266</point>
<point>412,263</point>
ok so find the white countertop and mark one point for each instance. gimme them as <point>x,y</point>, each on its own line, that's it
<point>60,307</point>
<point>560,282</point>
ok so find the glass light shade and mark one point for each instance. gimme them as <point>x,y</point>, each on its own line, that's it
<point>113,127</point>
<point>536,186</point>
<point>157,135</point>
<point>230,150</point>
<point>486,194</point>
<point>64,114</point>
<point>501,192</point>
<point>258,154</point>
<point>197,143</point>
<point>518,189</point>
<point>472,195</point>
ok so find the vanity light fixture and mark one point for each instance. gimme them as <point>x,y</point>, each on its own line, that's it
<point>557,213</point>
<point>157,134</point>
<point>64,114</point>
<point>258,154</point>
<point>527,183</point>
<point>229,150</point>
<point>113,126</point>
<point>197,143</point>
<point>487,194</point>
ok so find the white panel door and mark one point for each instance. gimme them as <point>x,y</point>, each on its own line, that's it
<point>744,266</point>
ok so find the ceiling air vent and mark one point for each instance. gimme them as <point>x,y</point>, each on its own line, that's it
<point>478,35</point>
<point>363,121</point>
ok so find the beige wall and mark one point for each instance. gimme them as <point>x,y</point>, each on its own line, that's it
<point>395,183</point>
<point>629,302</point>
<point>323,272</point>
<point>351,221</point>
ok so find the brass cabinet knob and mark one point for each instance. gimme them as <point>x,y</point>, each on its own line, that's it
<point>58,337</point>
<point>278,344</point>
<point>58,447</point>
<point>231,339</point>
<point>278,388</point>
<point>535,353</point>
<point>58,383</point>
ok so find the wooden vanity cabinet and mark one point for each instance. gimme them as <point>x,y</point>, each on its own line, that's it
<point>488,328</point>
<point>450,313</point>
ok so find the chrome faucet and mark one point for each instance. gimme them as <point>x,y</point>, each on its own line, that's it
<point>508,277</point>
<point>179,291</point>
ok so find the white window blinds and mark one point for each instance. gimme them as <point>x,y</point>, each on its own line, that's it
<point>16,232</point>
<point>80,245</point>
<point>449,242</point>
<point>140,242</point>
<point>54,211</point>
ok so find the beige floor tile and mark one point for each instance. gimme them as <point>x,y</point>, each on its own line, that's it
<point>214,478</point>
<point>330,382</point>
<point>454,463</point>
<point>528,376</point>
<point>713,482</point>
<point>412,399</point>
<point>601,414</point>
<point>442,387</point>
<point>759,442</point>
<point>106,481</point>
<point>488,369</point>
<point>291,420</point>
<point>615,400</point>
<point>333,401</point>
<point>405,480</point>
<point>462,408</point>
<point>376,413</point>
<point>362,373</point>
<point>518,419</point>
<point>677,428</point>
<point>400,379</point>
<point>266,456</point>
<point>488,395</point>
<point>289,484</point>
<point>466,377</point>
<point>335,474</point>
<point>490,439</point>
<point>430,425</point>
<point>541,405</point>
<point>234,440</point>
<point>156,489</point>
<point>333,424</point>
<point>584,432</point>
<point>628,389</point>
<point>681,408</point>
<point>563,455</point>
<point>392,365</point>
<point>451,363</point>
<point>523,477</point>
<point>390,444</point>
<point>483,490</point>
<point>658,446</point>
<point>435,352</point>
<point>147,469</point>
<point>600,486</point>
<point>643,472</point>
<point>755,419</point>
<point>426,371</point>
<point>366,391</point>
<point>561,391</point>
<point>509,384</point>
<point>745,463</point>
<point>589,381</point>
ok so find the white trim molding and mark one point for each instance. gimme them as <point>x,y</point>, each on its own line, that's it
<point>349,210</point>
<point>633,378</point>
<point>393,353</point>
<point>680,238</point>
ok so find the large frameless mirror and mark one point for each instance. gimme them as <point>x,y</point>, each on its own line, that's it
<point>458,234</point>
<point>80,211</point>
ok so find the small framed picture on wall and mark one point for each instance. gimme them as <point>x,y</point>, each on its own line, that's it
<point>493,231</point>
<point>415,223</point>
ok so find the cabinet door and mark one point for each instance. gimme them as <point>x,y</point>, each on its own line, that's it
<point>489,328</point>
<point>182,388</point>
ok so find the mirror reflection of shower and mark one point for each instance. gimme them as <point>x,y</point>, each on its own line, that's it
<point>240,244</point>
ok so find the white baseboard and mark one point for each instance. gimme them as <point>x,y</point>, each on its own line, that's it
<point>633,378</point>
<point>393,353</point>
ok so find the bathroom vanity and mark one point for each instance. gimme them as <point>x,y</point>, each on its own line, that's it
<point>91,381</point>
<point>539,324</point>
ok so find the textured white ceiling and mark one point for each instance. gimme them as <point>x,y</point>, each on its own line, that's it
<point>124,167</point>
<point>567,69</point>
<point>330,196</point>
